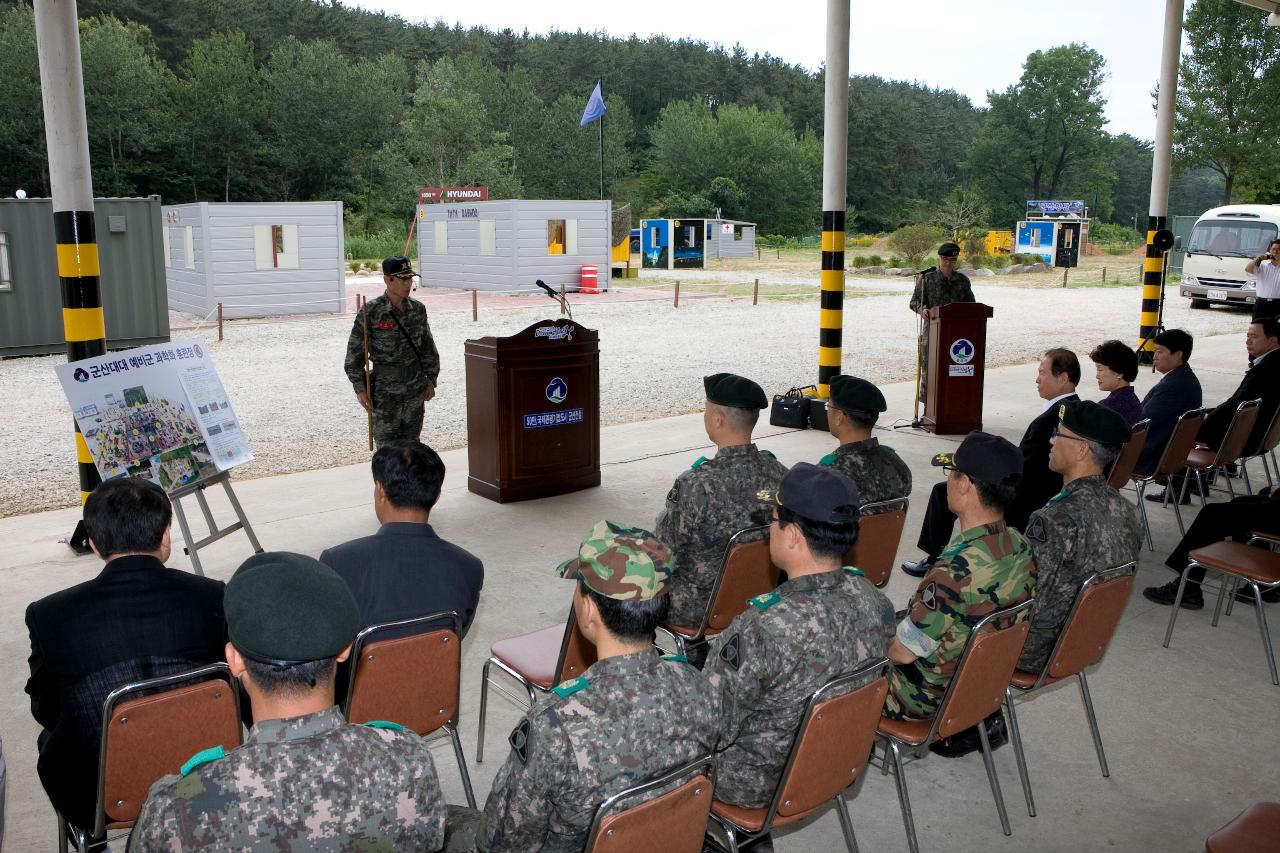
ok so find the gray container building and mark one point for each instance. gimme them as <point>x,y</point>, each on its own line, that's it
<point>259,259</point>
<point>131,260</point>
<point>730,238</point>
<point>509,244</point>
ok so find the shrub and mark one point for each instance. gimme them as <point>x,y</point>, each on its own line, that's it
<point>859,261</point>
<point>378,244</point>
<point>914,241</point>
<point>975,242</point>
<point>861,241</point>
<point>895,261</point>
<point>875,261</point>
<point>1119,250</point>
<point>1110,232</point>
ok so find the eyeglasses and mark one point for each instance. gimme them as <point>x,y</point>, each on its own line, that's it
<point>1059,434</point>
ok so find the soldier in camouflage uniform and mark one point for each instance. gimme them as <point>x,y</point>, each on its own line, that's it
<point>631,716</point>
<point>305,779</point>
<point>985,568</point>
<point>935,287</point>
<point>405,361</point>
<point>1085,528</point>
<point>823,622</point>
<point>877,471</point>
<point>717,497</point>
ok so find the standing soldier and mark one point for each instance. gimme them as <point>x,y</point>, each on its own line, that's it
<point>935,287</point>
<point>852,412</point>
<point>405,363</point>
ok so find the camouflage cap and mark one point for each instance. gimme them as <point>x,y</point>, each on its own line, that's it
<point>622,562</point>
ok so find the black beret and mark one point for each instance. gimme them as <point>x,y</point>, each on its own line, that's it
<point>287,608</point>
<point>985,457</point>
<point>948,250</point>
<point>858,395</point>
<point>397,266</point>
<point>817,492</point>
<point>1093,421</point>
<point>738,392</point>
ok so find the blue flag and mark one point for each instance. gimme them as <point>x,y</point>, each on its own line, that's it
<point>595,107</point>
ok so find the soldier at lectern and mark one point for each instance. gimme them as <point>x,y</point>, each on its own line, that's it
<point>935,287</point>
<point>392,360</point>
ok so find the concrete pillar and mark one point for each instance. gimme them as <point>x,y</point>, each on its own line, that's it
<point>834,166</point>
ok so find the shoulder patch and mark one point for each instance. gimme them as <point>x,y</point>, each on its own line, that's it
<point>828,460</point>
<point>764,602</point>
<point>204,756</point>
<point>1037,530</point>
<point>385,724</point>
<point>857,573</point>
<point>673,496</point>
<point>929,596</point>
<point>730,652</point>
<point>699,462</point>
<point>676,658</point>
<point>519,741</point>
<point>567,688</point>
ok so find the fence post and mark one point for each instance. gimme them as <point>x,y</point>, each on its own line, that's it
<point>677,303</point>
<point>1104,275</point>
<point>1065,270</point>
<point>1140,271</point>
<point>562,299</point>
<point>475,305</point>
<point>219,321</point>
<point>779,253</point>
<point>757,253</point>
<point>755,293</point>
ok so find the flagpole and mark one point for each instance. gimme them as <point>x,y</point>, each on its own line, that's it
<point>602,140</point>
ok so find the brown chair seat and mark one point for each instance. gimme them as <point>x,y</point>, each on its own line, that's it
<point>1253,830</point>
<point>1201,457</point>
<point>753,819</point>
<point>1024,680</point>
<point>1262,534</point>
<point>686,631</point>
<point>914,732</point>
<point>532,655</point>
<point>1255,564</point>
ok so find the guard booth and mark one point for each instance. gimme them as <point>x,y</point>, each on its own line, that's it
<point>1054,230</point>
<point>673,244</point>
<point>1067,244</point>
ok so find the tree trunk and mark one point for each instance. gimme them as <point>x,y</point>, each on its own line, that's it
<point>1227,184</point>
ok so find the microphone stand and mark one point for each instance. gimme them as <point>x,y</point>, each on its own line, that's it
<point>563,300</point>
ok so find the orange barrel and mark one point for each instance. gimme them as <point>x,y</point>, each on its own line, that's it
<point>590,279</point>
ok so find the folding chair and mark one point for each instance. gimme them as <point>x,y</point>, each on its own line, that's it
<point>976,691</point>
<point>1259,568</point>
<point>149,730</point>
<point>745,572</point>
<point>828,753</point>
<point>1203,462</point>
<point>413,681</point>
<point>1267,447</point>
<point>1172,460</point>
<point>1254,829</point>
<point>537,661</point>
<point>1090,625</point>
<point>635,821</point>
<point>879,532</point>
<point>1122,468</point>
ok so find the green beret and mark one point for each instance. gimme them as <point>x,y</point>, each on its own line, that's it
<point>854,394</point>
<point>285,608</point>
<point>1093,421</point>
<point>738,392</point>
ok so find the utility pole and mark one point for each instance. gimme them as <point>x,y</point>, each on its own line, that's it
<point>835,145</point>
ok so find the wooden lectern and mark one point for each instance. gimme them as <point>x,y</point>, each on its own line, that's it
<point>957,337</point>
<point>533,412</point>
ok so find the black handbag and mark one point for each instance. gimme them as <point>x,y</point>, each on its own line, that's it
<point>791,410</point>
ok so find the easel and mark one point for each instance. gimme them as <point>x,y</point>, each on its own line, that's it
<point>215,533</point>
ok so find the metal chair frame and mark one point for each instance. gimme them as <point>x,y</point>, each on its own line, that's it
<point>1140,483</point>
<point>1221,459</point>
<point>449,728</point>
<point>881,507</point>
<point>838,686</point>
<point>1270,439</point>
<point>702,765</point>
<point>85,841</point>
<point>895,747</point>
<point>1139,433</point>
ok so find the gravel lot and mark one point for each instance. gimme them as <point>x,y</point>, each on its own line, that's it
<point>286,383</point>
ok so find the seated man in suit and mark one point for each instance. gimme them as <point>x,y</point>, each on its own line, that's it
<point>1260,381</point>
<point>136,620</point>
<point>852,412</point>
<point>1178,391</point>
<point>1056,380</point>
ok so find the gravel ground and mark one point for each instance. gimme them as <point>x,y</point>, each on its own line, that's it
<point>286,384</point>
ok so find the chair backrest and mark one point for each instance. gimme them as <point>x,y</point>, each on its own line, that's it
<point>1091,622</point>
<point>414,680</point>
<point>576,651</point>
<point>745,572</point>
<point>1238,431</point>
<point>1127,459</point>
<point>1271,438</point>
<point>983,671</point>
<point>673,821</point>
<point>1181,441</point>
<point>151,728</point>
<point>833,741</point>
<point>880,527</point>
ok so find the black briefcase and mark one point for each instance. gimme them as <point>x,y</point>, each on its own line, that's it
<point>818,413</point>
<point>791,409</point>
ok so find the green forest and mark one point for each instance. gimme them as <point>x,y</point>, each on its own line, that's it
<point>260,100</point>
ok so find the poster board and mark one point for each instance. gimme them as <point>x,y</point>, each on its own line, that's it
<point>159,412</point>
<point>1036,238</point>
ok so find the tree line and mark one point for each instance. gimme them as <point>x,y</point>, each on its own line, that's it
<point>257,100</point>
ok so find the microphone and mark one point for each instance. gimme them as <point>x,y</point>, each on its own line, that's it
<point>548,289</point>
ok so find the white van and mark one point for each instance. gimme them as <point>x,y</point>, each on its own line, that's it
<point>1223,240</point>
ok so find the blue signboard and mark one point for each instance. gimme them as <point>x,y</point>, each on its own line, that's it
<point>553,419</point>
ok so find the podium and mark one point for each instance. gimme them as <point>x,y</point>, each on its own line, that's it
<point>533,412</point>
<point>957,352</point>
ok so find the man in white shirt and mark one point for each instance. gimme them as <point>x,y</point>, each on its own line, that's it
<point>1267,270</point>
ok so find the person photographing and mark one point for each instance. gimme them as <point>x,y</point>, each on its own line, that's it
<point>1266,268</point>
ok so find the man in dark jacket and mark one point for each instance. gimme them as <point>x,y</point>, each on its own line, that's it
<point>136,620</point>
<point>1178,391</point>
<point>1261,381</point>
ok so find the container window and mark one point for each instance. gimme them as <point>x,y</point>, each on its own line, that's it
<point>6,274</point>
<point>275,247</point>
<point>440,245</point>
<point>189,247</point>
<point>571,236</point>
<point>488,237</point>
<point>555,236</point>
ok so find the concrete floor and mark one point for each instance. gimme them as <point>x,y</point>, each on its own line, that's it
<point>1190,731</point>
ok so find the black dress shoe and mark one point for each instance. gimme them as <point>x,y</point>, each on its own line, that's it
<point>1158,497</point>
<point>1192,598</point>
<point>967,741</point>
<point>1245,596</point>
<point>918,568</point>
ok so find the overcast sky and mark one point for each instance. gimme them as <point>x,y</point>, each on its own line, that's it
<point>968,45</point>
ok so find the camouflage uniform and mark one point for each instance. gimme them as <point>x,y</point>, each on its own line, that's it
<point>877,471</point>
<point>934,289</point>
<point>306,783</point>
<point>399,379</point>
<point>1086,527</point>
<point>626,719</point>
<point>707,505</point>
<point>984,569</point>
<point>770,660</point>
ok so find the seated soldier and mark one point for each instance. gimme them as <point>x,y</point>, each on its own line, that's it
<point>631,716</point>
<point>824,621</point>
<point>1085,528</point>
<point>877,471</point>
<point>304,778</point>
<point>717,497</point>
<point>987,566</point>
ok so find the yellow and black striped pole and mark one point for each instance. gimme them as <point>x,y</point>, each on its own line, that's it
<point>835,149</point>
<point>1152,277</point>
<point>67,139</point>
